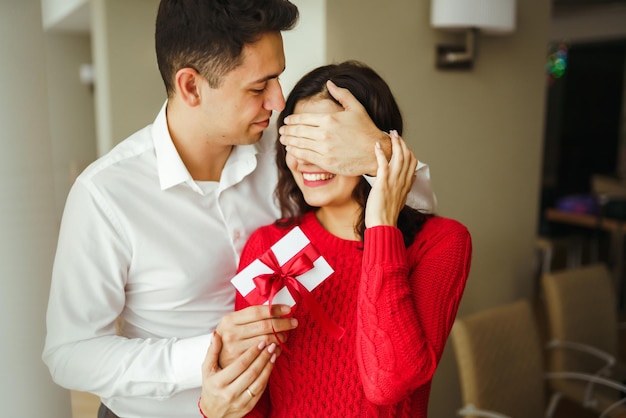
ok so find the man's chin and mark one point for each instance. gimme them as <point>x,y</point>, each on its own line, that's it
<point>253,137</point>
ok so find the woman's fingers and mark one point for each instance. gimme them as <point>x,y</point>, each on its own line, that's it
<point>248,365</point>
<point>382,161</point>
<point>254,380</point>
<point>225,391</point>
<point>403,162</point>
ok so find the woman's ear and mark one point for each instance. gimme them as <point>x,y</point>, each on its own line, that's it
<point>188,86</point>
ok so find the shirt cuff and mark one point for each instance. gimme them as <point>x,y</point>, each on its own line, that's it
<point>187,357</point>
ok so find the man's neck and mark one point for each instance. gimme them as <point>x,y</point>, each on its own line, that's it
<point>203,158</point>
<point>203,162</point>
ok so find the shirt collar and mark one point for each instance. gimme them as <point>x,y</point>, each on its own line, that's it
<point>241,162</point>
<point>172,170</point>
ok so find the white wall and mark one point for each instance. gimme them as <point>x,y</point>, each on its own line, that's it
<point>305,46</point>
<point>71,109</point>
<point>27,216</point>
<point>129,90</point>
<point>65,13</point>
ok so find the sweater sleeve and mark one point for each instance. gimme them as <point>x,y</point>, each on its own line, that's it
<point>407,305</point>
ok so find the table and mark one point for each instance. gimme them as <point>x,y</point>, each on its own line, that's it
<point>615,227</point>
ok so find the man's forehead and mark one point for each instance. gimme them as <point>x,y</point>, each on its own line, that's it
<point>264,59</point>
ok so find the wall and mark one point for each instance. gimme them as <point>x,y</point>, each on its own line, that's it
<point>305,45</point>
<point>71,109</point>
<point>592,23</point>
<point>480,131</point>
<point>66,13</point>
<point>27,215</point>
<point>129,91</point>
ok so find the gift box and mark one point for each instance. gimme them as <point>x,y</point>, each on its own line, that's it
<point>289,270</point>
<point>290,251</point>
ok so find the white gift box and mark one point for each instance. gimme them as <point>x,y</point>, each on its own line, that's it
<point>285,249</point>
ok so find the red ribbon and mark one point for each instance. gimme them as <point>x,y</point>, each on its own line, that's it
<point>267,285</point>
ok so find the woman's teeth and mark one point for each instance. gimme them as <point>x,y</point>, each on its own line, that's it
<point>317,176</point>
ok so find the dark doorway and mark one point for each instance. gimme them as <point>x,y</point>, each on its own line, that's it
<point>583,122</point>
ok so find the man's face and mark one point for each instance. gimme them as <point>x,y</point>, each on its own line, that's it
<point>239,110</point>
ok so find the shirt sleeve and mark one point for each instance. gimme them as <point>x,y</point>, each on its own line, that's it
<point>421,196</point>
<point>405,313</point>
<point>83,349</point>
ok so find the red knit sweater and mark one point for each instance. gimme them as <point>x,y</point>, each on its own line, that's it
<point>396,305</point>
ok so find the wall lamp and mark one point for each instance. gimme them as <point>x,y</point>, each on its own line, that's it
<point>494,17</point>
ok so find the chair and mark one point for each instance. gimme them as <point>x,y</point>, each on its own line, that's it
<point>581,306</point>
<point>501,367</point>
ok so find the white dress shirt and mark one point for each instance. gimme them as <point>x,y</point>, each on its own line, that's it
<point>141,240</point>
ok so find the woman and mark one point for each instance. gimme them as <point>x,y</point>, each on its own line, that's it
<point>398,274</point>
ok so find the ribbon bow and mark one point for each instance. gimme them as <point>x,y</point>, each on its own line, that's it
<point>285,276</point>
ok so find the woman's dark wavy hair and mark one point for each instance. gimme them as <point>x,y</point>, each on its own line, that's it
<point>209,35</point>
<point>374,94</point>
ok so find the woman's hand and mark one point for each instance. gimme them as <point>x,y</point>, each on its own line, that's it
<point>393,183</point>
<point>234,390</point>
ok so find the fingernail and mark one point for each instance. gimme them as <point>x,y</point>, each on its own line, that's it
<point>272,347</point>
<point>281,130</point>
<point>261,345</point>
<point>273,358</point>
<point>377,145</point>
<point>285,309</point>
<point>286,120</point>
<point>294,322</point>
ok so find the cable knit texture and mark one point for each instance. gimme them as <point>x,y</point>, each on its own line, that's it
<point>397,306</point>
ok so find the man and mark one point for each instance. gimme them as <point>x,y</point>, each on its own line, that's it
<point>152,232</point>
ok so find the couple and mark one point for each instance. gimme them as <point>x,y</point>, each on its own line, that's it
<point>153,232</point>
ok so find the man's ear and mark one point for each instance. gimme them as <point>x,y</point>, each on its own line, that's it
<point>188,86</point>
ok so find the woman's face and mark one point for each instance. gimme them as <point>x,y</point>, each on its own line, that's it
<point>321,188</point>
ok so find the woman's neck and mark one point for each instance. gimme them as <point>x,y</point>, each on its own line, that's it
<point>340,222</point>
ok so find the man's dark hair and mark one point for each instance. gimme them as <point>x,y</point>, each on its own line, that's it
<point>209,35</point>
